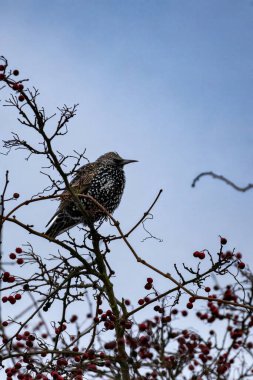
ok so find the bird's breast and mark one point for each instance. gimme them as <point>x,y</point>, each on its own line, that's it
<point>107,187</point>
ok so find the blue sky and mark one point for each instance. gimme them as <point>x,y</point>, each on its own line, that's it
<point>166,82</point>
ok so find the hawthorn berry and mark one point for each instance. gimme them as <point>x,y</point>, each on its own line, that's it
<point>2,76</point>
<point>12,256</point>
<point>73,318</point>
<point>16,195</point>
<point>18,250</point>
<point>20,261</point>
<point>189,305</point>
<point>241,265</point>
<point>223,241</point>
<point>92,367</point>
<point>18,296</point>
<point>21,98</point>
<point>15,72</point>
<point>141,301</point>
<point>127,302</point>
<point>110,345</point>
<point>207,289</point>
<point>12,300</point>
<point>15,87</point>
<point>142,326</point>
<point>2,67</point>
<point>4,299</point>
<point>148,286</point>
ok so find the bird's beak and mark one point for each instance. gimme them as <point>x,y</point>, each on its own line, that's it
<point>125,162</point>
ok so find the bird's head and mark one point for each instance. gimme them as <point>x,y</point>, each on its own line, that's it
<point>114,159</point>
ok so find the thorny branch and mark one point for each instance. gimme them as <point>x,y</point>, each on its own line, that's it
<point>108,342</point>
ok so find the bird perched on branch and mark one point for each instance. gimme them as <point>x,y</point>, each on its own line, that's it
<point>104,180</point>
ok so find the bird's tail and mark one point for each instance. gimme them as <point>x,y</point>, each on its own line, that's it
<point>61,224</point>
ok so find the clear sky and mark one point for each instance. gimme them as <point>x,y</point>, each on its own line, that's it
<point>168,83</point>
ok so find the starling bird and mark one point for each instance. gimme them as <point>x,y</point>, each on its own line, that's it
<point>104,180</point>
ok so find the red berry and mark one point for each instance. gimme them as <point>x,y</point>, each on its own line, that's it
<point>184,313</point>
<point>73,318</point>
<point>20,261</point>
<point>2,67</point>
<point>127,302</point>
<point>4,299</point>
<point>11,279</point>
<point>18,296</point>
<point>16,195</point>
<point>207,289</point>
<point>6,275</point>
<point>192,299</point>
<point>12,256</point>
<point>2,76</point>
<point>196,254</point>
<point>148,286</point>
<point>21,98</point>
<point>141,301</point>
<point>4,323</point>
<point>241,265</point>
<point>142,326</point>
<point>110,345</point>
<point>15,87</point>
<point>201,255</point>
<point>12,300</point>
<point>189,305</point>
<point>15,72</point>
<point>238,255</point>
<point>150,280</point>
<point>92,367</point>
<point>223,241</point>
<point>18,250</point>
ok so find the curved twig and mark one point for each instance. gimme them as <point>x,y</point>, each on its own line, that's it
<point>224,179</point>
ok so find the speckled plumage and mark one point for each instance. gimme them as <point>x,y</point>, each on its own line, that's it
<point>104,180</point>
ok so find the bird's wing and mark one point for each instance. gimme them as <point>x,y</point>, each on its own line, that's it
<point>82,180</point>
<point>80,184</point>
